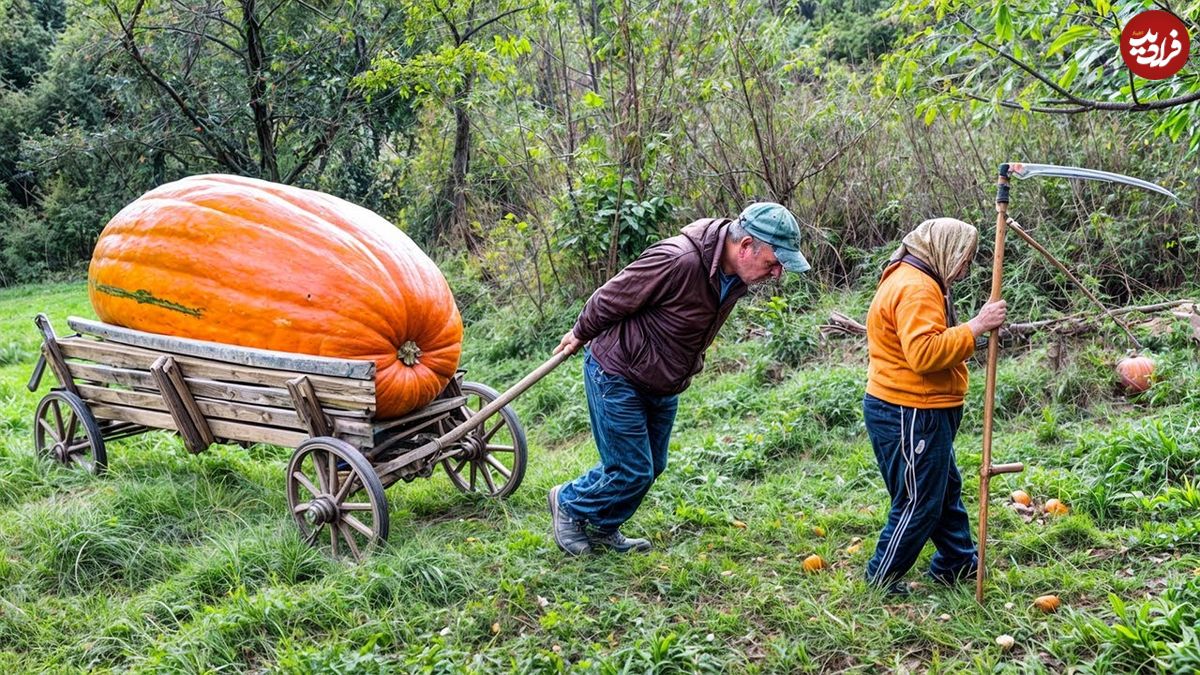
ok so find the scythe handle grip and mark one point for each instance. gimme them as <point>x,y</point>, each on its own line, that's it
<point>1002,185</point>
<point>997,469</point>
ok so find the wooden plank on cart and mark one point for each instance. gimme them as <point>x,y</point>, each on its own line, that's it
<point>205,390</point>
<point>201,388</point>
<point>338,392</point>
<point>245,356</point>
<point>356,430</point>
<point>189,421</point>
<point>304,399</point>
<point>437,408</point>
<point>53,355</point>
<point>233,431</point>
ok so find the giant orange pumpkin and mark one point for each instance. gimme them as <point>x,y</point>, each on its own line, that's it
<point>253,263</point>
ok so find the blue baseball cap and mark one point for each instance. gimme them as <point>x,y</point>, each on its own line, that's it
<point>774,225</point>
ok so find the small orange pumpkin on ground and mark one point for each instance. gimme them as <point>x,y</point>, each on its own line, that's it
<point>1135,373</point>
<point>814,563</point>
<point>1047,603</point>
<point>1021,497</point>
<point>1055,507</point>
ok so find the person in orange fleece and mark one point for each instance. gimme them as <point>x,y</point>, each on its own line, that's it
<point>916,380</point>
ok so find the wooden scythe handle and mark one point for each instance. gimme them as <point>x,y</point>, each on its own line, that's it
<point>986,470</point>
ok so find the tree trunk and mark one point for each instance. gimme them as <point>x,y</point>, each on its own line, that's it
<point>256,62</point>
<point>460,165</point>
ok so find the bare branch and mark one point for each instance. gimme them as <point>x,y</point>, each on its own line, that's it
<point>221,150</point>
<point>206,36</point>
<point>493,20</point>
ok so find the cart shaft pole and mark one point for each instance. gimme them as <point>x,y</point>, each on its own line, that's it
<point>456,434</point>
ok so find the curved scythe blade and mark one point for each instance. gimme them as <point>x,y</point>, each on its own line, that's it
<point>1022,170</point>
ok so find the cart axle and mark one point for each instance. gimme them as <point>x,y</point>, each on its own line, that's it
<point>321,510</point>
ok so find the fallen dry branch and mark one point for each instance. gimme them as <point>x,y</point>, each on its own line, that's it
<point>1072,324</point>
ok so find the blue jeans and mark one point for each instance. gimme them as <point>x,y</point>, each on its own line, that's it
<point>632,431</point>
<point>915,452</point>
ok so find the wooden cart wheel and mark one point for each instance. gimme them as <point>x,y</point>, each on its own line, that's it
<point>66,431</point>
<point>493,455</point>
<point>336,498</point>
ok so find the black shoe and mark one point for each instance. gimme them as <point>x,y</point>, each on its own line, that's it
<point>569,534</point>
<point>618,542</point>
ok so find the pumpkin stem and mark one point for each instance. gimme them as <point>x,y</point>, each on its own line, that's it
<point>409,352</point>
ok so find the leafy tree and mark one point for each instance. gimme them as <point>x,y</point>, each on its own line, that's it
<point>465,41</point>
<point>259,89</point>
<point>27,32</point>
<point>1045,56</point>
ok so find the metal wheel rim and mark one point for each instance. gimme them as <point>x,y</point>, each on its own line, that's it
<point>331,477</point>
<point>493,461</point>
<point>65,431</point>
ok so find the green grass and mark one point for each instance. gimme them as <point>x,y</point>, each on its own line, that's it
<point>191,563</point>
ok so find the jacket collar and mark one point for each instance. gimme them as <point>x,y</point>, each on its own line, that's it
<point>707,235</point>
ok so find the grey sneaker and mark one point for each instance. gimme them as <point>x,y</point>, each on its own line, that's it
<point>569,534</point>
<point>618,542</point>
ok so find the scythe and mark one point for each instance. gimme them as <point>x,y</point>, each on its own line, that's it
<point>986,468</point>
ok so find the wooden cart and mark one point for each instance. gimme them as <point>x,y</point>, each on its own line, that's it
<point>115,382</point>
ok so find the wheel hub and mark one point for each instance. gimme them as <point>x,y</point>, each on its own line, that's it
<point>476,447</point>
<point>59,451</point>
<point>320,511</point>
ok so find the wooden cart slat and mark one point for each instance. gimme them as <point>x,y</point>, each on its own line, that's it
<point>222,391</point>
<point>245,356</point>
<point>355,394</point>
<point>219,410</point>
<point>233,431</point>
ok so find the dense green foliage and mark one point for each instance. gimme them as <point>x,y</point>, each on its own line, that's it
<point>547,143</point>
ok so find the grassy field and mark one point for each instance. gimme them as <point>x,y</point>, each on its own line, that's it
<point>191,563</point>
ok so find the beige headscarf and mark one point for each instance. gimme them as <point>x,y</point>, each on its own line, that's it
<point>942,244</point>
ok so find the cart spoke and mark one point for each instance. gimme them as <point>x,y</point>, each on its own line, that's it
<point>472,476</point>
<point>345,489</point>
<point>50,430</point>
<point>333,538</point>
<point>300,508</point>
<point>58,419</point>
<point>312,536</point>
<point>349,537</point>
<point>333,474</point>
<point>488,436</point>
<point>72,427</point>
<point>81,460</point>
<point>319,469</point>
<point>355,506</point>
<point>458,469</point>
<point>501,448</point>
<point>358,525</point>
<point>487,478</point>
<point>300,478</point>
<point>499,466</point>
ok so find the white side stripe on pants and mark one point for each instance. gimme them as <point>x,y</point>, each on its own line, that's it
<point>910,483</point>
